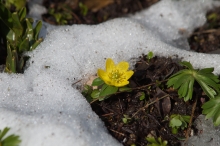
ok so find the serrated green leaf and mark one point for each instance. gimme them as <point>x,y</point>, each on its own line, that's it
<point>206,70</point>
<point>11,140</point>
<point>186,118</point>
<point>211,110</point>
<point>2,133</point>
<point>208,90</point>
<point>184,81</point>
<point>187,64</point>
<point>108,91</point>
<point>97,82</point>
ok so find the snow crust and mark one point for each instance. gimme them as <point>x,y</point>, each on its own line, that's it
<point>44,108</point>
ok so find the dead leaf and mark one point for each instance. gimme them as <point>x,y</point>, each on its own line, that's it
<point>163,105</point>
<point>95,5</point>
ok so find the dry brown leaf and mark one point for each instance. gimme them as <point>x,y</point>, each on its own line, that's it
<point>95,5</point>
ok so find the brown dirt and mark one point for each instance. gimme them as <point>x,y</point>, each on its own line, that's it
<point>206,38</point>
<point>151,115</point>
<point>98,10</point>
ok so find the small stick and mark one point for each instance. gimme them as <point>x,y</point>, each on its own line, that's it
<point>107,114</point>
<point>117,132</point>
<point>76,82</point>
<point>207,31</point>
<point>149,104</point>
<point>190,122</point>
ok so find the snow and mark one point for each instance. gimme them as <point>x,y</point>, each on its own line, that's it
<point>44,108</point>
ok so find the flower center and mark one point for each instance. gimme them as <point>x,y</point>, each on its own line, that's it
<point>116,76</point>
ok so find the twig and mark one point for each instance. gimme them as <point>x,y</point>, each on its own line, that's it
<point>149,104</point>
<point>207,31</point>
<point>107,114</point>
<point>117,132</point>
<point>76,82</point>
<point>190,122</point>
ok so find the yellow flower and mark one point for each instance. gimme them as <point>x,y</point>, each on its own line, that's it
<point>115,75</point>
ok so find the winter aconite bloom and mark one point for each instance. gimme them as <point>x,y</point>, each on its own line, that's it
<point>115,75</point>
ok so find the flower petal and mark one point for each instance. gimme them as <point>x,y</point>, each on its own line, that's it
<point>121,84</point>
<point>123,66</point>
<point>104,76</point>
<point>109,64</point>
<point>128,74</point>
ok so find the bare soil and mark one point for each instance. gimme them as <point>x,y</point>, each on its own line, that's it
<point>148,116</point>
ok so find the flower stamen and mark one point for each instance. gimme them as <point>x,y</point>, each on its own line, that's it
<point>116,76</point>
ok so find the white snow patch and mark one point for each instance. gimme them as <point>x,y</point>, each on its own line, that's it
<point>42,106</point>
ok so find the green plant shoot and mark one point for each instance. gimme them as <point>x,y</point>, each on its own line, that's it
<point>150,55</point>
<point>83,9</point>
<point>156,142</point>
<point>11,140</point>
<point>184,81</point>
<point>178,122</point>
<point>20,35</point>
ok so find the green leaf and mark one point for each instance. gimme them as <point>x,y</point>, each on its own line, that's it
<point>142,97</point>
<point>6,16</point>
<point>104,86</point>
<point>175,122</point>
<point>212,110</point>
<point>150,55</point>
<point>97,82</point>
<point>153,142</point>
<point>125,120</point>
<point>36,44</point>
<point>184,81</point>
<point>29,30</point>
<point>108,91</point>
<point>2,133</point>
<point>37,29</point>
<point>125,89</point>
<point>187,64</point>
<point>95,93</point>
<point>186,118</point>
<point>11,140</point>
<point>24,46</point>
<point>178,121</point>
<point>87,90</point>
<point>22,14</point>
<point>17,27</point>
<point>174,130</point>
